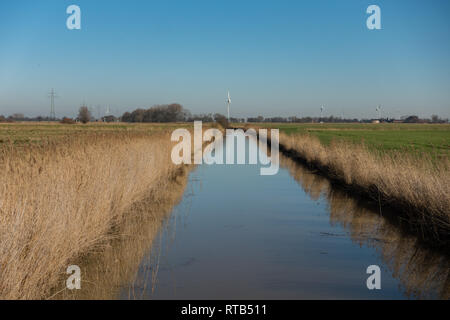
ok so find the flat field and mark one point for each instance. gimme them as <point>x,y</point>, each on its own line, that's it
<point>22,133</point>
<point>417,138</point>
<point>384,137</point>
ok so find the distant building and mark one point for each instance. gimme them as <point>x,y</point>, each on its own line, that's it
<point>109,118</point>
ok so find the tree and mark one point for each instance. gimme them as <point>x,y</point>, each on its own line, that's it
<point>412,119</point>
<point>160,113</point>
<point>84,115</point>
<point>138,115</point>
<point>127,117</point>
<point>222,120</point>
<point>435,119</point>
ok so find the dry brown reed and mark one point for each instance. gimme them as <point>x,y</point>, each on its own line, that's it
<point>423,272</point>
<point>59,199</point>
<point>111,268</point>
<point>415,185</point>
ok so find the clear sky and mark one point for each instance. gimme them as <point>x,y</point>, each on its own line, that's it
<point>276,57</point>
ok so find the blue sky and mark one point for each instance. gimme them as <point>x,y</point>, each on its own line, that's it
<point>276,57</point>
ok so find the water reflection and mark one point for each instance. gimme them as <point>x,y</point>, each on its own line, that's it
<point>423,272</point>
<point>111,267</point>
<point>256,237</point>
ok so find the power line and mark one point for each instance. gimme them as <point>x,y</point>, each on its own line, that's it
<point>52,95</point>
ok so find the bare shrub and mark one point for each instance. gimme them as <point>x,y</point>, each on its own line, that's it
<point>221,120</point>
<point>84,115</point>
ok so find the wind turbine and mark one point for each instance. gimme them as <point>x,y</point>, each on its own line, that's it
<point>228,105</point>
<point>106,113</point>
<point>378,109</point>
<point>321,111</point>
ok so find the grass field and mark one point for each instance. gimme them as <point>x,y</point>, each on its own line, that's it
<point>33,132</point>
<point>428,138</point>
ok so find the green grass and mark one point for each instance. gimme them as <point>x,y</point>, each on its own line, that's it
<point>428,138</point>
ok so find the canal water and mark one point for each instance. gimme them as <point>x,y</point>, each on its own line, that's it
<point>239,235</point>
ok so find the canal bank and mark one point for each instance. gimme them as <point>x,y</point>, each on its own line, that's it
<point>239,235</point>
<point>417,191</point>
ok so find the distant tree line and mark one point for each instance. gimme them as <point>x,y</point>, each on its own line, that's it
<point>22,117</point>
<point>294,119</point>
<point>171,113</point>
<point>333,119</point>
<point>160,113</point>
<point>175,112</point>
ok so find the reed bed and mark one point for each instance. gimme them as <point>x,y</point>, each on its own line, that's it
<point>111,268</point>
<point>414,184</point>
<point>422,271</point>
<point>59,199</point>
